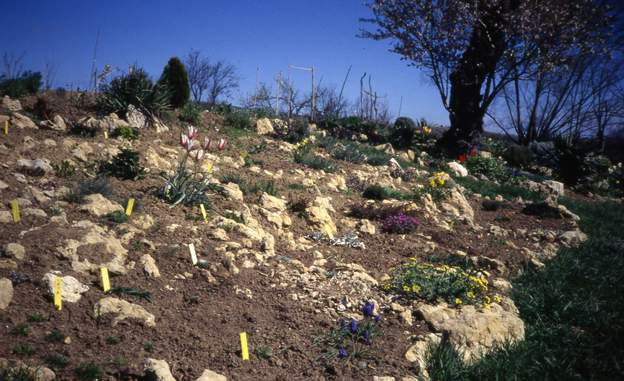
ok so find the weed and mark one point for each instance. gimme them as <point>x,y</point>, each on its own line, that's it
<point>148,346</point>
<point>125,165</point>
<point>88,372</point>
<point>378,192</point>
<point>24,349</point>
<point>190,113</point>
<point>21,329</point>
<point>55,336</point>
<point>21,373</point>
<point>57,361</point>
<point>490,189</point>
<point>126,132</point>
<point>264,353</point>
<point>36,318</point>
<point>113,340</point>
<point>64,169</point>
<point>117,217</point>
<point>132,292</point>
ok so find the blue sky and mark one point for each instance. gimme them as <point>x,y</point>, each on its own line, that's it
<point>269,34</point>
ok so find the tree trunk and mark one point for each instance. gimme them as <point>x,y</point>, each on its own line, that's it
<point>479,61</point>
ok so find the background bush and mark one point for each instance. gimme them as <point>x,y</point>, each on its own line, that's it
<point>135,88</point>
<point>175,78</point>
<point>27,83</point>
<point>402,133</point>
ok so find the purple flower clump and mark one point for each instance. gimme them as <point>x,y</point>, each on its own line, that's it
<point>400,223</point>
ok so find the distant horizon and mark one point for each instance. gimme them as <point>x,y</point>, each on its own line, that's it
<point>245,33</point>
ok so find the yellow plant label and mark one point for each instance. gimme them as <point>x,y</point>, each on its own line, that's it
<point>58,289</point>
<point>193,254</point>
<point>203,211</point>
<point>209,167</point>
<point>129,207</point>
<point>105,134</point>
<point>6,127</point>
<point>15,210</point>
<point>244,348</point>
<point>105,279</point>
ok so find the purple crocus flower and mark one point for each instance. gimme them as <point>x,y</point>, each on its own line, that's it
<point>367,337</point>
<point>342,353</point>
<point>354,327</point>
<point>343,325</point>
<point>368,309</point>
<point>377,318</point>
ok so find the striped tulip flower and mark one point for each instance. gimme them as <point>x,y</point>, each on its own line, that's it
<point>222,144</point>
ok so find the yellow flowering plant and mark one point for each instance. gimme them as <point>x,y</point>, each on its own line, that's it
<point>429,282</point>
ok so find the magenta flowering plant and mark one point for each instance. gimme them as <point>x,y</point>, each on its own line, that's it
<point>189,187</point>
<point>399,223</point>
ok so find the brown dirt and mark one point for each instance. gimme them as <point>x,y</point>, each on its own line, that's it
<point>197,323</point>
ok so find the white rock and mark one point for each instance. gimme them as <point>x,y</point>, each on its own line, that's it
<point>98,205</point>
<point>71,288</point>
<point>157,370</point>
<point>123,310</point>
<point>457,169</point>
<point>209,375</point>
<point>11,104</point>
<point>15,250</point>
<point>149,266</point>
<point>264,126</point>
<point>37,167</point>
<point>22,121</point>
<point>6,293</point>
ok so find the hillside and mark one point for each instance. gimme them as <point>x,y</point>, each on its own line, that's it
<point>347,271</point>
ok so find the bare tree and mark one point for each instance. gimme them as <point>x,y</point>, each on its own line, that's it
<point>198,70</point>
<point>472,49</point>
<point>330,102</point>
<point>261,99</point>
<point>12,65</point>
<point>215,80</point>
<point>49,74</point>
<point>222,80</point>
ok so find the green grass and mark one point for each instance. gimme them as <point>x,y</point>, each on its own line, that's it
<point>490,189</point>
<point>573,310</point>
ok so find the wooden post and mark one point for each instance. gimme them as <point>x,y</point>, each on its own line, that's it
<point>279,87</point>
<point>313,105</point>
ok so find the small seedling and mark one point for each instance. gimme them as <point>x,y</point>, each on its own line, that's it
<point>23,349</point>
<point>36,318</point>
<point>88,372</point>
<point>57,361</point>
<point>55,336</point>
<point>117,217</point>
<point>148,346</point>
<point>264,353</point>
<point>113,340</point>
<point>21,329</point>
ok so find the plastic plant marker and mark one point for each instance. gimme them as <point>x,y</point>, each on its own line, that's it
<point>244,348</point>
<point>58,289</point>
<point>105,134</point>
<point>15,210</point>
<point>209,167</point>
<point>105,279</point>
<point>129,207</point>
<point>193,254</point>
<point>203,211</point>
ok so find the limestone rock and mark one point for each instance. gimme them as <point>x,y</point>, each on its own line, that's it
<point>15,250</point>
<point>573,238</point>
<point>11,104</point>
<point>474,332</point>
<point>157,370</point>
<point>94,238</point>
<point>6,293</point>
<point>3,185</point>
<point>264,126</point>
<point>233,191</point>
<point>136,118</point>
<point>555,188</point>
<point>22,121</point>
<point>418,352</point>
<point>272,203</point>
<point>123,310</point>
<point>57,124</point>
<point>37,167</point>
<point>457,205</point>
<point>26,372</point>
<point>458,169</point>
<point>209,375</point>
<point>318,215</point>
<point>365,226</point>
<point>149,266</point>
<point>98,205</point>
<point>71,287</point>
